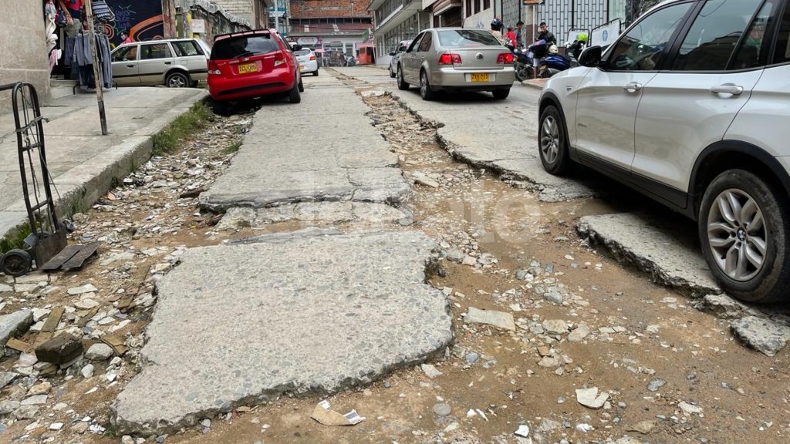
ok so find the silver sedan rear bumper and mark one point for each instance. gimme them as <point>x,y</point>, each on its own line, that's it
<point>451,78</point>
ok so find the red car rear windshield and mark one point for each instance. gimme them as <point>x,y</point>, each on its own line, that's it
<point>243,46</point>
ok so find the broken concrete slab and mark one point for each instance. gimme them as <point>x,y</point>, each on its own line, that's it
<point>497,319</point>
<point>725,307</point>
<point>299,314</point>
<point>14,324</point>
<point>652,246</point>
<point>314,212</point>
<point>763,335</point>
<point>589,397</point>
<point>349,161</point>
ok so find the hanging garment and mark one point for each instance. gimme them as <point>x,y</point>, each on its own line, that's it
<point>102,12</point>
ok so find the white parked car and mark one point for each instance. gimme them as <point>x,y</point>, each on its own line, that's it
<point>403,45</point>
<point>308,64</point>
<point>690,106</point>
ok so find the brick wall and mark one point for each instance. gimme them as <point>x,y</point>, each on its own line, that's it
<point>307,9</point>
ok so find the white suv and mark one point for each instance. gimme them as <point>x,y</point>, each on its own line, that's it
<point>691,106</point>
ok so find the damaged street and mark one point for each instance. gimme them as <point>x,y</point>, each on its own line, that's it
<point>368,267</point>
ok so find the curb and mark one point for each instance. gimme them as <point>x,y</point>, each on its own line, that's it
<point>86,182</point>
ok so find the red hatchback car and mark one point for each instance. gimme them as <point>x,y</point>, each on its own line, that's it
<point>250,64</point>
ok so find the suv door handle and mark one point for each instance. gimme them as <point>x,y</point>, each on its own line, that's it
<point>633,87</point>
<point>727,88</point>
<point>168,63</point>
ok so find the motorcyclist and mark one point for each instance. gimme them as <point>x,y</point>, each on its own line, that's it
<point>547,37</point>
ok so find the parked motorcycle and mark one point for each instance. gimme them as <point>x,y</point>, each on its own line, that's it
<point>523,65</point>
<point>552,64</point>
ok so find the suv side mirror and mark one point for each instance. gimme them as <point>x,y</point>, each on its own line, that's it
<point>392,53</point>
<point>591,57</point>
<point>297,47</point>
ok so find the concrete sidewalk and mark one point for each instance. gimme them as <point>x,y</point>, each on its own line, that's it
<point>82,162</point>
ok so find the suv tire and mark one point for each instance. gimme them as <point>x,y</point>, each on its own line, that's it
<point>553,142</point>
<point>743,228</point>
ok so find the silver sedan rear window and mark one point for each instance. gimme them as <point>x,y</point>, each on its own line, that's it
<point>466,37</point>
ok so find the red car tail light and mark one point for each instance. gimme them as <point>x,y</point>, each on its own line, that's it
<point>279,59</point>
<point>450,59</point>
<point>213,68</point>
<point>505,57</point>
<point>312,57</point>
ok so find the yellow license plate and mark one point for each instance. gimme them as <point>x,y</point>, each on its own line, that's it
<point>249,67</point>
<point>301,67</point>
<point>479,77</point>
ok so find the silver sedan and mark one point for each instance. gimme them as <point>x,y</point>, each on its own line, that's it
<point>456,59</point>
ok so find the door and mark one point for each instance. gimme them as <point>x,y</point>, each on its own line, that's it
<point>155,60</point>
<point>191,56</point>
<point>608,97</point>
<point>689,106</point>
<point>410,60</point>
<point>125,71</point>
<point>421,56</point>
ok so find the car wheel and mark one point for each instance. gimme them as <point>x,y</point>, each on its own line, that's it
<point>392,73</point>
<point>402,85</point>
<point>316,73</point>
<point>743,228</point>
<point>194,84</point>
<point>501,94</point>
<point>294,95</point>
<point>425,87</point>
<point>301,85</point>
<point>552,142</point>
<point>177,80</point>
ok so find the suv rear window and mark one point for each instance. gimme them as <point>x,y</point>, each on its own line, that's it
<point>243,46</point>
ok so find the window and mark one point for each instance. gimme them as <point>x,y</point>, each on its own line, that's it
<point>782,50</point>
<point>186,48</point>
<point>126,54</point>
<point>643,48</point>
<point>416,43</point>
<point>468,8</point>
<point>714,35</point>
<point>754,47</point>
<point>477,6</point>
<point>155,51</point>
<point>486,4</point>
<point>466,37</point>
<point>425,44</point>
<point>246,46</point>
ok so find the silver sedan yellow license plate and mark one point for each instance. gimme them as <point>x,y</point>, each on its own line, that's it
<point>480,78</point>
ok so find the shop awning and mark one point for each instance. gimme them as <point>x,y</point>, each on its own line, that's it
<point>442,6</point>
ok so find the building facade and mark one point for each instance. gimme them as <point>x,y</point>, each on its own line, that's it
<point>23,49</point>
<point>330,25</point>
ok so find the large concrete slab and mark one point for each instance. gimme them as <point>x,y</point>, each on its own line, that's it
<point>82,161</point>
<point>487,133</point>
<point>310,314</point>
<point>669,254</point>
<point>323,149</point>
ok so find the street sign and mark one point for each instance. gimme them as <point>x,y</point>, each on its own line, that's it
<point>605,34</point>
<point>198,26</point>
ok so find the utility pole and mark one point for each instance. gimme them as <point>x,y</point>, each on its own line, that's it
<point>96,67</point>
<point>277,15</point>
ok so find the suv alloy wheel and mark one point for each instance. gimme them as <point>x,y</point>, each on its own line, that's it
<point>743,229</point>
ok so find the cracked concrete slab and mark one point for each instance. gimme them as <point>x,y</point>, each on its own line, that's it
<point>315,212</point>
<point>514,154</point>
<point>314,312</point>
<point>668,254</point>
<point>292,156</point>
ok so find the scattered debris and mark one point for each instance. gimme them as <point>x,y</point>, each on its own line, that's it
<point>326,416</point>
